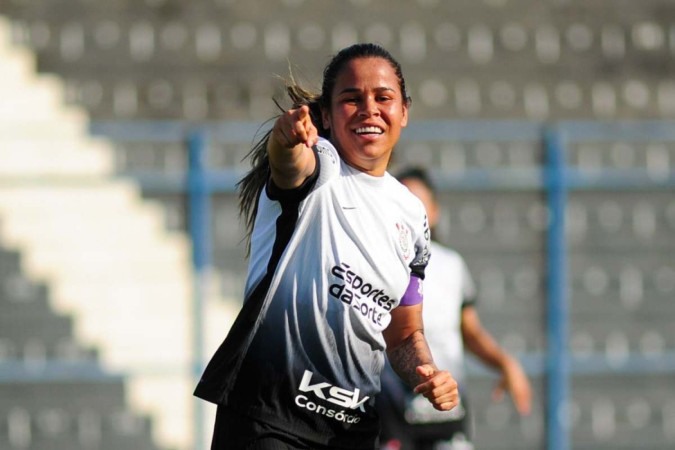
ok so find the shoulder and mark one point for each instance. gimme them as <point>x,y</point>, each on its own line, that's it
<point>445,254</point>
<point>328,160</point>
<point>324,147</point>
<point>403,196</point>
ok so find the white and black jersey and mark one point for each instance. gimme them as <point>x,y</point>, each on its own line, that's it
<point>329,261</point>
<point>448,288</point>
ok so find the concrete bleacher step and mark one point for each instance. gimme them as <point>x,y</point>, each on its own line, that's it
<point>32,156</point>
<point>82,413</point>
<point>104,252</point>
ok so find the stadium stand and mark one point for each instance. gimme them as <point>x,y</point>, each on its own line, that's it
<point>530,60</point>
<point>104,252</point>
<point>55,393</point>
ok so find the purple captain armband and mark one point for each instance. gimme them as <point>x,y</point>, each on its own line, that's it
<point>413,294</point>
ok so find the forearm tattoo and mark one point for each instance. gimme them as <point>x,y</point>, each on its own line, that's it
<point>413,352</point>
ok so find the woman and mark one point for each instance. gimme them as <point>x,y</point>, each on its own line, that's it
<point>337,254</point>
<point>451,323</point>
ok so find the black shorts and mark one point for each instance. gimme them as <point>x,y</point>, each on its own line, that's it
<point>234,431</point>
<point>420,436</point>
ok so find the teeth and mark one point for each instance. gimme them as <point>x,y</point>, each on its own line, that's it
<point>364,130</point>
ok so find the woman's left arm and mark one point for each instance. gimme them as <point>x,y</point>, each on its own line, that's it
<point>411,358</point>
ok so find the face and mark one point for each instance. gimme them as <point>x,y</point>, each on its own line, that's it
<point>367,114</point>
<point>421,191</point>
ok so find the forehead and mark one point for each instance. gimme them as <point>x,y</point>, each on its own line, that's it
<point>368,70</point>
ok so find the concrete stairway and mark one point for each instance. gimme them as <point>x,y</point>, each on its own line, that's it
<point>103,249</point>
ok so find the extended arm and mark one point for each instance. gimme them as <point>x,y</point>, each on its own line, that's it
<point>290,148</point>
<point>513,377</point>
<point>410,357</point>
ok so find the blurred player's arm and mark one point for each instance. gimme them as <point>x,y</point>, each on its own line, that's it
<point>513,378</point>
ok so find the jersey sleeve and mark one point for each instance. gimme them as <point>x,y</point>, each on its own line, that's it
<point>328,161</point>
<point>327,166</point>
<point>422,248</point>
<point>414,294</point>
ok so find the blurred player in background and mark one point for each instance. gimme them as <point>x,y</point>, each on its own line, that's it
<point>338,249</point>
<point>451,323</point>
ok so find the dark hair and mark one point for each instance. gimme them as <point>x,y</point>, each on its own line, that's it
<point>417,173</point>
<point>252,184</point>
<point>333,69</point>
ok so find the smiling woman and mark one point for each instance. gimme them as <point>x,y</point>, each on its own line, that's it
<point>337,253</point>
<point>367,114</point>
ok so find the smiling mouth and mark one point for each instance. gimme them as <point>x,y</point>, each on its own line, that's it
<point>369,130</point>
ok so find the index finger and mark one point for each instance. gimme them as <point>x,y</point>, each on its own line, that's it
<point>303,127</point>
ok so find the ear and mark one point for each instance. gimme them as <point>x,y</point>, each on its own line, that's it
<point>404,119</point>
<point>433,214</point>
<point>325,119</point>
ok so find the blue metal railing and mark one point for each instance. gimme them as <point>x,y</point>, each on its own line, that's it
<point>199,213</point>
<point>557,304</point>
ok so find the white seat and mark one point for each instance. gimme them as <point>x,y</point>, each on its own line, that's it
<point>579,37</point>
<point>613,42</point>
<point>142,41</point>
<point>610,216</point>
<point>89,428</point>
<point>472,217</point>
<point>174,36</point>
<point>536,101</point>
<point>603,99</point>
<point>243,35</point>
<point>125,99</point>
<point>582,344</point>
<point>480,43</point>
<point>595,280</point>
<point>644,220</point>
<point>638,413</point>
<point>19,429</point>
<point>668,418</point>
<point>513,36</point>
<point>617,347</point>
<point>658,161</point>
<point>569,95</point>
<point>413,42</point>
<point>666,97</point>
<point>603,419</point>
<point>502,95</point>
<point>71,41</point>
<point>107,34</point>
<point>468,100</point>
<point>313,37</point>
<point>448,37</point>
<point>547,44</point>
<point>452,157</point>
<point>631,287</point>
<point>636,94</point>
<point>53,422</point>
<point>433,93</point>
<point>652,344</point>
<point>277,41</point>
<point>647,36</point>
<point>623,155</point>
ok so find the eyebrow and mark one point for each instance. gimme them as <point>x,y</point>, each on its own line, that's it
<point>350,90</point>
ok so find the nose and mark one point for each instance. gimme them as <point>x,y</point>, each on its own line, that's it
<point>369,107</point>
